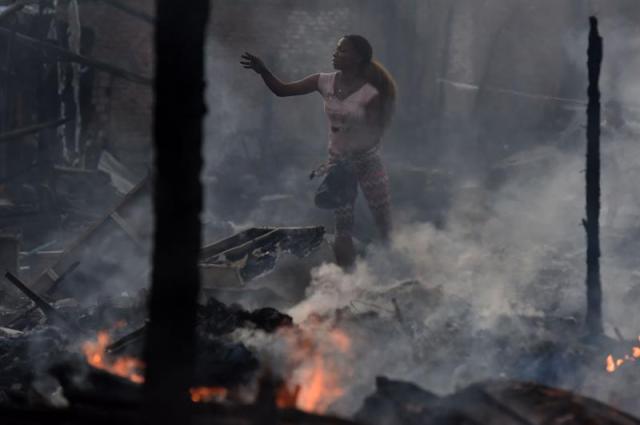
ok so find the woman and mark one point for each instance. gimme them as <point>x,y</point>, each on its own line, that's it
<point>359,101</point>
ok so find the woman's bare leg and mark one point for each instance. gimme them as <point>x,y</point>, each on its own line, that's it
<point>343,248</point>
<point>374,183</point>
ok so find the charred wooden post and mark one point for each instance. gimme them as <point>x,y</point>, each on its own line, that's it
<point>592,224</point>
<point>177,198</point>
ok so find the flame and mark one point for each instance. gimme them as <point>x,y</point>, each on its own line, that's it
<point>613,364</point>
<point>207,394</point>
<point>132,368</point>
<point>321,387</point>
<point>313,385</point>
<point>315,381</point>
<point>125,367</point>
<point>287,397</point>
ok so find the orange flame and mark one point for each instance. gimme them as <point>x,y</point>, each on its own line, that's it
<point>207,394</point>
<point>321,387</point>
<point>315,381</point>
<point>613,364</point>
<point>131,368</point>
<point>287,397</point>
<point>125,367</point>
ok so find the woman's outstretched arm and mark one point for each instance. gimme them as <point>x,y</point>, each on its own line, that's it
<point>306,85</point>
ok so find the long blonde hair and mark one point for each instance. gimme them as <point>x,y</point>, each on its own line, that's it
<point>376,75</point>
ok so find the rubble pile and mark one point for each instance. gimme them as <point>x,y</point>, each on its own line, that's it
<point>34,349</point>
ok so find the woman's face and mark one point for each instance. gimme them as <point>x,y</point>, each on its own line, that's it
<point>345,56</point>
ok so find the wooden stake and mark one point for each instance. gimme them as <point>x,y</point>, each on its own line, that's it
<point>592,222</point>
<point>177,201</point>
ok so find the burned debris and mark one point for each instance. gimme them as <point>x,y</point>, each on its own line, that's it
<point>498,402</point>
<point>257,325</point>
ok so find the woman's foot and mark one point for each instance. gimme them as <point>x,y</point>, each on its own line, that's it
<point>345,252</point>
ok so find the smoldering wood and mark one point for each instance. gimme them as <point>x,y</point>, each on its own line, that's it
<point>32,129</point>
<point>266,319</point>
<point>59,53</point>
<point>122,343</point>
<point>592,222</point>
<point>394,402</point>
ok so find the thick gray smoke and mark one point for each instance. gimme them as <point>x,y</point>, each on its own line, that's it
<point>488,252</point>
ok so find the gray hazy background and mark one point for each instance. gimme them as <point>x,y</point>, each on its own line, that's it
<point>485,156</point>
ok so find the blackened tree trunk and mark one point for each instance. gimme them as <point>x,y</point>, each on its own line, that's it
<point>591,224</point>
<point>179,109</point>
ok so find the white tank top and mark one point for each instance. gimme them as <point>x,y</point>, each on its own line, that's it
<point>348,129</point>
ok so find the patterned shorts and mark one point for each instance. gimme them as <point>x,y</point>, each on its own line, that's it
<point>374,183</point>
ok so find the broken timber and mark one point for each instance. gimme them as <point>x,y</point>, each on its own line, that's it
<point>232,261</point>
<point>118,221</point>
<point>49,292</point>
<point>253,253</point>
<point>51,313</point>
<point>61,53</point>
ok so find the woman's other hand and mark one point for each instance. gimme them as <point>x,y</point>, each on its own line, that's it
<point>250,61</point>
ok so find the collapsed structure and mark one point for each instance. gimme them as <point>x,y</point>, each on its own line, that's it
<point>71,354</point>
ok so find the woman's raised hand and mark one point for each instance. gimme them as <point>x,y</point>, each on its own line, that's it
<point>250,61</point>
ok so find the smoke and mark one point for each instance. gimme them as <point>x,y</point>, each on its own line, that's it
<point>485,267</point>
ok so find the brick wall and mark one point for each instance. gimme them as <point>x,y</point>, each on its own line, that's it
<point>295,39</point>
<point>124,108</point>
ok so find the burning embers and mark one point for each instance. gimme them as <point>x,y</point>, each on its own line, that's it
<point>208,394</point>
<point>125,367</point>
<point>613,364</point>
<point>316,366</point>
<point>132,368</point>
